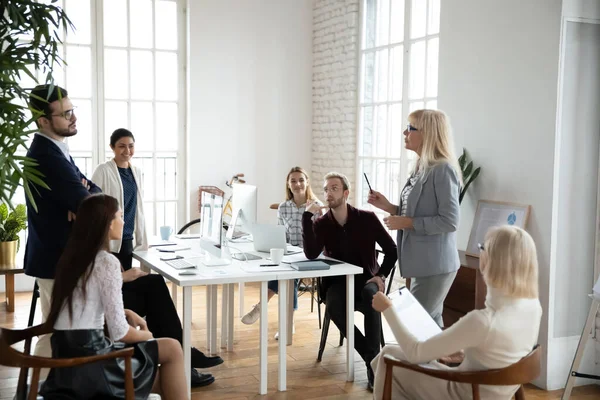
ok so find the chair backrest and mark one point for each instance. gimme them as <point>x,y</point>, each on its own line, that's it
<point>11,357</point>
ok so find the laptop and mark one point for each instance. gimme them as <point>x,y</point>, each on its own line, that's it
<point>267,237</point>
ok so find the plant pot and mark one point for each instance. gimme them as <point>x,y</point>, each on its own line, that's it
<point>8,255</point>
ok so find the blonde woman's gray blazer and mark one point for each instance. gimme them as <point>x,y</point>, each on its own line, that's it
<point>430,248</point>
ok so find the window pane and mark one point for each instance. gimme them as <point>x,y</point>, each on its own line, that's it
<point>140,19</point>
<point>397,23</point>
<point>171,214</point>
<point>416,105</point>
<point>417,70</point>
<point>366,129</point>
<point>166,29</point>
<point>369,24</point>
<point>383,22</point>
<point>115,116</point>
<point>397,73</point>
<point>166,76</point>
<point>142,125</point>
<point>380,177</point>
<point>115,19</point>
<point>171,177</point>
<point>433,48</point>
<point>418,18</point>
<point>149,217</point>
<point>79,71</point>
<point>369,76</point>
<point>382,75</point>
<point>58,70</point>
<point>147,163</point>
<point>381,122</point>
<point>394,182</point>
<point>433,17</point>
<point>142,75</point>
<point>159,179</point>
<point>431,105</point>
<point>396,130</point>
<point>167,122</point>
<point>83,139</point>
<point>116,83</point>
<point>79,13</point>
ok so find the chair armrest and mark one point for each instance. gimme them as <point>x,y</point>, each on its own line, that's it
<point>447,375</point>
<point>26,361</point>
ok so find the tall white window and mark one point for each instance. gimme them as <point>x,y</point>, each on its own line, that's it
<point>398,74</point>
<point>125,69</point>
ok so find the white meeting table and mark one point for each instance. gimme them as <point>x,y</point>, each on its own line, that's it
<point>234,273</point>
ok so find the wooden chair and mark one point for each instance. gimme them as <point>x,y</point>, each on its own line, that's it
<point>11,357</point>
<point>519,373</point>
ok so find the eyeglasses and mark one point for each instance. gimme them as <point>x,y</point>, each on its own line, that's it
<point>480,245</point>
<point>332,189</point>
<point>67,114</point>
<point>411,128</point>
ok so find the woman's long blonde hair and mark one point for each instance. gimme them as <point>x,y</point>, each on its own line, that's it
<point>511,263</point>
<point>438,143</point>
<point>288,193</point>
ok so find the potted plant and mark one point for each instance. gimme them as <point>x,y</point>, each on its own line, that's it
<point>11,223</point>
<point>468,173</point>
<point>30,35</point>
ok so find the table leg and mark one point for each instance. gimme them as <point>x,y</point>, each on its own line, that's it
<point>350,327</point>
<point>10,292</point>
<point>290,305</point>
<point>187,335</point>
<point>208,316</point>
<point>263,337</point>
<point>241,295</point>
<point>283,331</point>
<point>231,289</point>
<point>213,320</point>
<point>224,317</point>
<point>174,293</point>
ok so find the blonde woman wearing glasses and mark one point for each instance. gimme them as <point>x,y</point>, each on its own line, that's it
<point>426,218</point>
<point>488,337</point>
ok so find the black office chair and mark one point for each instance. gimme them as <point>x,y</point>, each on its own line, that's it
<point>327,318</point>
<point>188,225</point>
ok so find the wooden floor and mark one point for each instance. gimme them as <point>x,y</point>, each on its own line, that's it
<point>238,376</point>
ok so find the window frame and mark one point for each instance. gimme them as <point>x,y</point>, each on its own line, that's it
<point>406,157</point>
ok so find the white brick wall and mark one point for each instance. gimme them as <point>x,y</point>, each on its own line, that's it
<point>335,89</point>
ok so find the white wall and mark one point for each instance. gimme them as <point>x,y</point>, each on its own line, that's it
<point>250,70</point>
<point>498,83</point>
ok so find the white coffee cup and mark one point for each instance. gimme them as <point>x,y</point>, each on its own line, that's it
<point>276,256</point>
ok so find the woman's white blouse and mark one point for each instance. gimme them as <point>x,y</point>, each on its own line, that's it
<point>103,300</point>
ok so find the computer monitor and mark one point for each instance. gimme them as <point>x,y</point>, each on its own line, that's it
<point>211,230</point>
<point>243,215</point>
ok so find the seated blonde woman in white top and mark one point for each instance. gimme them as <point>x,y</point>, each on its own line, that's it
<point>495,337</point>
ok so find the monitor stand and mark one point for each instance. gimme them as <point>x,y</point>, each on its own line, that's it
<point>212,261</point>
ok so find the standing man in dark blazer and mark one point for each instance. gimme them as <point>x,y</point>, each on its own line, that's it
<point>50,225</point>
<point>350,235</point>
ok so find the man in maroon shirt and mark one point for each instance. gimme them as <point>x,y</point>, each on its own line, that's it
<point>350,235</point>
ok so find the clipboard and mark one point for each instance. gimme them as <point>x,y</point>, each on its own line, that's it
<point>413,316</point>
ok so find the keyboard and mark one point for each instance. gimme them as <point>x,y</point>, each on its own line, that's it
<point>180,263</point>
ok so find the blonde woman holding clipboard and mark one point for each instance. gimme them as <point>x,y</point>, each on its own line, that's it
<point>426,218</point>
<point>488,337</point>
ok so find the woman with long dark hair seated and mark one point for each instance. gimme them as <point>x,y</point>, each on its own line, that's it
<point>87,292</point>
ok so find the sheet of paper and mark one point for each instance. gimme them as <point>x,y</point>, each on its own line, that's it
<point>294,258</point>
<point>255,268</point>
<point>413,315</point>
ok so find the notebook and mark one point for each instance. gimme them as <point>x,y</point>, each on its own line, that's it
<point>413,315</point>
<point>311,265</point>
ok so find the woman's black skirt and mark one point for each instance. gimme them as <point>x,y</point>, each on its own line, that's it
<point>101,380</point>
